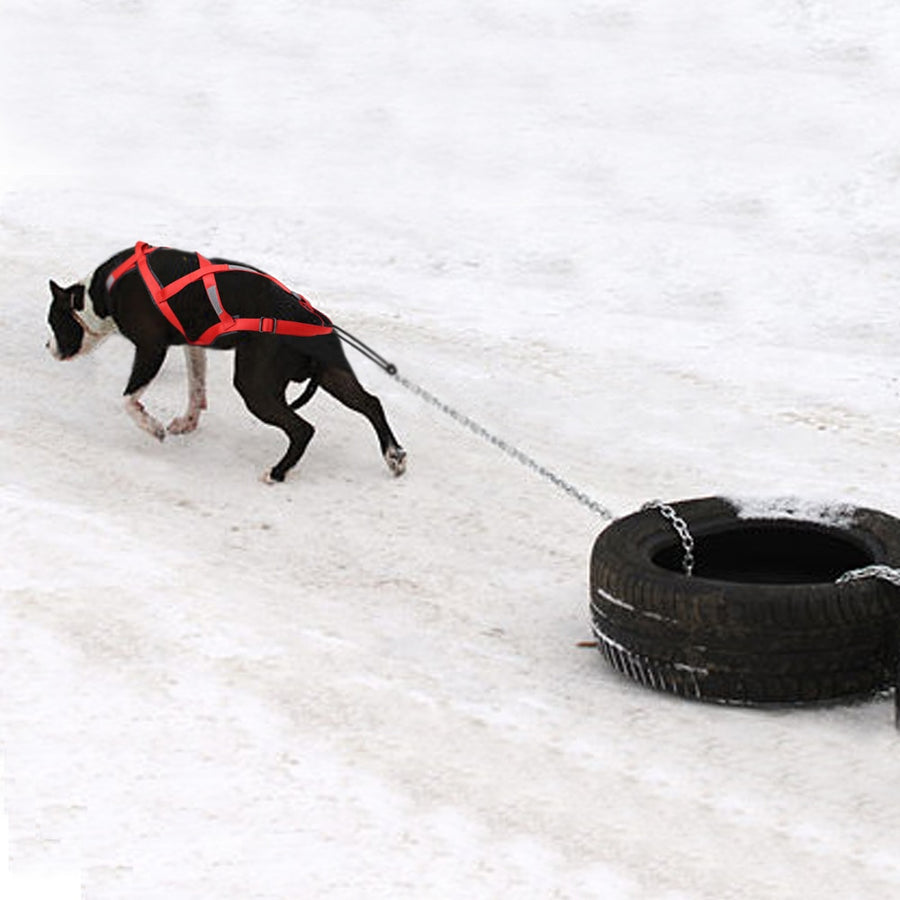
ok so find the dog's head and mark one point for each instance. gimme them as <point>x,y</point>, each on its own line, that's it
<point>75,327</point>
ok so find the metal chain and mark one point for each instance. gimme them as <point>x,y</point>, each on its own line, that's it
<point>681,529</point>
<point>583,498</point>
<point>885,573</point>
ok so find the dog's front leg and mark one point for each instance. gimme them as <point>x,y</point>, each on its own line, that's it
<point>195,358</point>
<point>147,362</point>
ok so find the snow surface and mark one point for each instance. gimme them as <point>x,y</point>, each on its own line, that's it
<point>656,245</point>
<point>837,515</point>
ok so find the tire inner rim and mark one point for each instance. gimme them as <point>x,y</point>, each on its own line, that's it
<point>770,553</point>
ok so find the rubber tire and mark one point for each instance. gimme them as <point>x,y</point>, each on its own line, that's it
<point>733,641</point>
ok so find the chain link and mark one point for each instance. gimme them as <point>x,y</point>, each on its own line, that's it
<point>583,498</point>
<point>681,529</point>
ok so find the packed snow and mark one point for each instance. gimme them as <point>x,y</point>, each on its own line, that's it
<point>837,515</point>
<point>653,245</point>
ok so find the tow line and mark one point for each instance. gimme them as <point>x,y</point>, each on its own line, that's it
<point>509,449</point>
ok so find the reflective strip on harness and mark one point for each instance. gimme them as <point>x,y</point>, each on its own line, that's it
<point>212,289</point>
<point>207,272</point>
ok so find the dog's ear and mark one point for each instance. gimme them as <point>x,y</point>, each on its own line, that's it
<point>76,292</point>
<point>73,296</point>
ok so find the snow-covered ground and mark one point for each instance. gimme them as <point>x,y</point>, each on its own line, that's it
<point>656,245</point>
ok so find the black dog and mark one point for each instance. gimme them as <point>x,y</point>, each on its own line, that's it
<point>159,297</point>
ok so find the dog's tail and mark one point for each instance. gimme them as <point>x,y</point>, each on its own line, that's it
<point>307,394</point>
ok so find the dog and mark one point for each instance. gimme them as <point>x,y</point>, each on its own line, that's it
<point>158,297</point>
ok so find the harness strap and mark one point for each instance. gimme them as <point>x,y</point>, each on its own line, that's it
<point>206,272</point>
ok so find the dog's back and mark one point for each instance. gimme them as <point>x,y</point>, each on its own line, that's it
<point>241,292</point>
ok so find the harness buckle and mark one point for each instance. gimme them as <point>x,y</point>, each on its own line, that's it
<point>267,326</point>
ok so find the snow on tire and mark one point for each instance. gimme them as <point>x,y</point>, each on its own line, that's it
<point>761,619</point>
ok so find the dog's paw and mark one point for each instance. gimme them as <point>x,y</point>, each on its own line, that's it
<point>396,460</point>
<point>153,427</point>
<point>143,419</point>
<point>268,478</point>
<point>183,424</point>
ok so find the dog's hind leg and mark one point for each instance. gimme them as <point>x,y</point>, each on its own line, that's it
<point>262,388</point>
<point>343,385</point>
<point>195,359</point>
<point>147,362</point>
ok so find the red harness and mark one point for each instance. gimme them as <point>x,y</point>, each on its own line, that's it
<point>207,271</point>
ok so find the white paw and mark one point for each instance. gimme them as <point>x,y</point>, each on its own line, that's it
<point>143,419</point>
<point>154,428</point>
<point>396,460</point>
<point>183,424</point>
